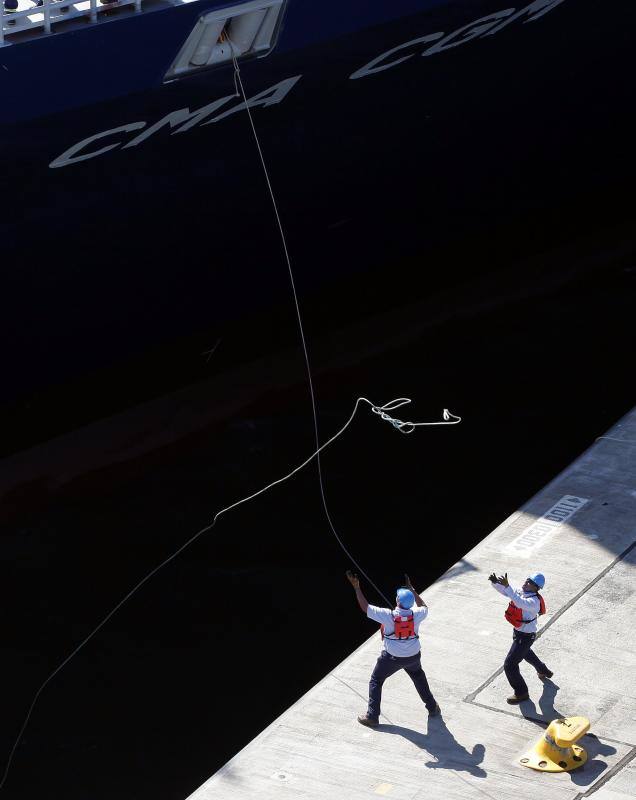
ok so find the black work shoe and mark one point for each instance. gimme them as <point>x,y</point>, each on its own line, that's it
<point>436,711</point>
<point>514,699</point>
<point>370,723</point>
<point>545,676</point>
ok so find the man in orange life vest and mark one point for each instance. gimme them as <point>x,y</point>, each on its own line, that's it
<point>401,646</point>
<point>526,604</point>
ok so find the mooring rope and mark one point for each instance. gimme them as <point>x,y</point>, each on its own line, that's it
<point>403,427</point>
<point>378,409</point>
<point>381,410</point>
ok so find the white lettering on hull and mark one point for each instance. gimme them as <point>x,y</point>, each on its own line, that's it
<point>372,67</point>
<point>183,117</point>
<point>70,156</point>
<point>484,26</point>
<point>183,120</point>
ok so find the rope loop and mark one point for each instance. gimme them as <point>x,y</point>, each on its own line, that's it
<point>448,418</point>
<point>398,424</point>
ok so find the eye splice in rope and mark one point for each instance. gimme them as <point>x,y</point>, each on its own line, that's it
<point>409,427</point>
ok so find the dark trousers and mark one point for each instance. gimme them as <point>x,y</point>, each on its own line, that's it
<point>521,650</point>
<point>386,666</point>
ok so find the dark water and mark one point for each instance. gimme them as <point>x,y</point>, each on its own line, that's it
<point>228,635</point>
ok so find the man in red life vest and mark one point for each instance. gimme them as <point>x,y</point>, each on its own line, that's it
<point>525,606</point>
<point>401,646</point>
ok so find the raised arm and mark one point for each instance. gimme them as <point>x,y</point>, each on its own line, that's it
<point>500,589</point>
<point>355,582</point>
<point>418,600</point>
<point>500,583</point>
<point>503,587</point>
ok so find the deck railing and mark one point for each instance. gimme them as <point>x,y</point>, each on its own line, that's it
<point>52,12</point>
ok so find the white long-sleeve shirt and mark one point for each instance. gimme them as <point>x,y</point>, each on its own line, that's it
<point>528,602</point>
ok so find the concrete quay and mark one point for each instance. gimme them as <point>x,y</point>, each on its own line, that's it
<point>580,530</point>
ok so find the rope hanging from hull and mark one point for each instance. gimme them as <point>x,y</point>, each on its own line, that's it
<point>382,410</point>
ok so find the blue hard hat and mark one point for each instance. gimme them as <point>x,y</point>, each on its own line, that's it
<point>537,579</point>
<point>405,598</point>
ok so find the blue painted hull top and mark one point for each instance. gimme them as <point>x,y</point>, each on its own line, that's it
<point>131,54</point>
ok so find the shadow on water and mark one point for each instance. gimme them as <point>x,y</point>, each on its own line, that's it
<point>594,766</point>
<point>440,743</point>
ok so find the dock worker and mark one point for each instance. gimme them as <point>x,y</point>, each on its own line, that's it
<point>401,646</point>
<point>525,606</point>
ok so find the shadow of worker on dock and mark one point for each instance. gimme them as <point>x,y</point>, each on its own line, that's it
<point>546,711</point>
<point>440,743</point>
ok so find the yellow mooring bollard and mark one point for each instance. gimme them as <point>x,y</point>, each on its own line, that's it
<point>555,751</point>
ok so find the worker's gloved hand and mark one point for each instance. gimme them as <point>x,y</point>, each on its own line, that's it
<point>493,578</point>
<point>503,580</point>
<point>353,579</point>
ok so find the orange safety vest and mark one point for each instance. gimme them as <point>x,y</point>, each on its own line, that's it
<point>514,615</point>
<point>404,628</point>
